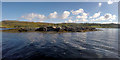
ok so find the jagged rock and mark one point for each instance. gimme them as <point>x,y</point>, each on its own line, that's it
<point>22,30</point>
<point>41,29</point>
<point>59,29</point>
<point>51,28</point>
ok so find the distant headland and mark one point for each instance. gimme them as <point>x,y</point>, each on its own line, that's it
<point>23,26</point>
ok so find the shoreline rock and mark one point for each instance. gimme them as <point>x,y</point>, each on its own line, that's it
<point>54,29</point>
<point>70,29</point>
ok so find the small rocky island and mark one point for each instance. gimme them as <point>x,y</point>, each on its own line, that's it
<point>54,29</point>
<point>23,26</point>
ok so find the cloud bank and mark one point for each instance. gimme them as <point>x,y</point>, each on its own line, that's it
<point>96,15</point>
<point>73,16</point>
<point>65,14</point>
<point>34,17</point>
<point>53,15</point>
<point>76,12</point>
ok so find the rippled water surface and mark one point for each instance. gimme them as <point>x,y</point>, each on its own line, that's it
<point>100,44</point>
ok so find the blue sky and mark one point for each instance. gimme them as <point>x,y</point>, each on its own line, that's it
<point>58,12</point>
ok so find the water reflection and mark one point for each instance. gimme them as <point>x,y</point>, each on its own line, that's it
<point>99,44</point>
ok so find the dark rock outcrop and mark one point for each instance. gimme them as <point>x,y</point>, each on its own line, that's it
<point>67,29</point>
<point>22,30</point>
<point>51,28</point>
<point>56,29</point>
<point>41,29</point>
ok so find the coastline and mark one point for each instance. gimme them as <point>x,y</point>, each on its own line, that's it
<point>58,30</point>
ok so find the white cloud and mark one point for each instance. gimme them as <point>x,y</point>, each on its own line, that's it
<point>90,17</point>
<point>34,17</point>
<point>101,18</point>
<point>110,16</point>
<point>53,15</point>
<point>77,11</point>
<point>107,17</point>
<point>81,16</point>
<point>81,20</point>
<point>96,15</point>
<point>76,21</point>
<point>100,4</point>
<point>65,21</point>
<point>110,20</point>
<point>84,15</point>
<point>84,20</point>
<point>65,14</point>
<point>110,2</point>
<point>114,17</point>
<point>70,21</point>
<point>78,16</point>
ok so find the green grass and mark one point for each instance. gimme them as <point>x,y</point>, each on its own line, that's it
<point>23,24</point>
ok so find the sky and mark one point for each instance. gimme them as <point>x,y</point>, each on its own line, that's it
<point>61,12</point>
